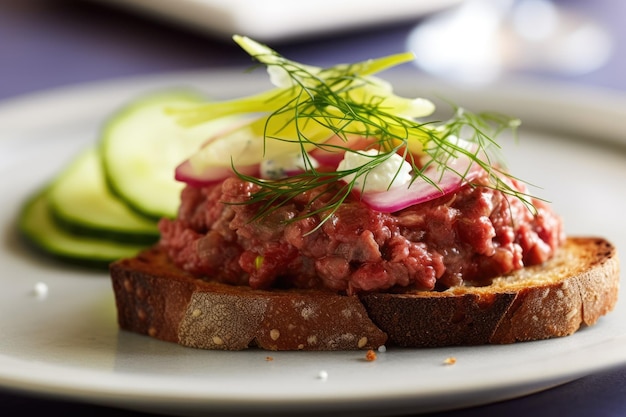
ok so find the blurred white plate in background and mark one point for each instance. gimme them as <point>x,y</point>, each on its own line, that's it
<point>279,19</point>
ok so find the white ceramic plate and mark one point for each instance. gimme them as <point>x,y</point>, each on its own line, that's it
<point>278,19</point>
<point>68,344</point>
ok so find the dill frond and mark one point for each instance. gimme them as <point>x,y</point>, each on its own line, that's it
<point>312,104</point>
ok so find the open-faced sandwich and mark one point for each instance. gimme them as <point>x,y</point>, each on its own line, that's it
<point>334,217</point>
<point>330,215</point>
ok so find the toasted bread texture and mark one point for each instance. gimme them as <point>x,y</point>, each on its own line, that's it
<point>574,289</point>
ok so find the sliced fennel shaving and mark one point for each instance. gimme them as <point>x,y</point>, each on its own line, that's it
<point>308,106</point>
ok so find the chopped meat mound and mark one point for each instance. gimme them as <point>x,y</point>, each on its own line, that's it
<point>468,237</point>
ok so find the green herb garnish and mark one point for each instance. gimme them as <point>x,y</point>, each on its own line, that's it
<point>312,104</point>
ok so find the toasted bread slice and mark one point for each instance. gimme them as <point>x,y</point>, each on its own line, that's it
<point>574,289</point>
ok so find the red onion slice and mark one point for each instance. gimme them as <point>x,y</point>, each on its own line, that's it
<point>185,173</point>
<point>458,172</point>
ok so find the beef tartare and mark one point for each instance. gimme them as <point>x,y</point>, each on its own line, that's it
<point>469,236</point>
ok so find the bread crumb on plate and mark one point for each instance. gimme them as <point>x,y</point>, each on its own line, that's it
<point>370,356</point>
<point>450,360</point>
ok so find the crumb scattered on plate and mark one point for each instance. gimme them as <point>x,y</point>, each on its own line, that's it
<point>451,360</point>
<point>370,355</point>
<point>40,290</point>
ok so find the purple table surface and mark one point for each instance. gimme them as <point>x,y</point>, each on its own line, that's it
<point>52,44</point>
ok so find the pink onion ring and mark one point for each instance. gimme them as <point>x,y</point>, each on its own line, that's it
<point>458,172</point>
<point>185,173</point>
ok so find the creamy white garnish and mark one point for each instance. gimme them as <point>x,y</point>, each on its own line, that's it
<point>393,172</point>
<point>455,142</point>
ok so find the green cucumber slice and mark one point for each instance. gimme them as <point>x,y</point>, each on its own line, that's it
<point>37,225</point>
<point>81,203</point>
<point>142,146</point>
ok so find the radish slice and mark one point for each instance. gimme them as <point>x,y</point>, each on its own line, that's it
<point>332,152</point>
<point>458,172</point>
<point>327,158</point>
<point>185,173</point>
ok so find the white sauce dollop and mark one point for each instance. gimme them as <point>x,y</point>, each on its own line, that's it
<point>455,143</point>
<point>393,172</point>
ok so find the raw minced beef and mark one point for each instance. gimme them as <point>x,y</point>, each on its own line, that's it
<point>466,237</point>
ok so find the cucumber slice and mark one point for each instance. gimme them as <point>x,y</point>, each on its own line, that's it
<point>81,202</point>
<point>142,146</point>
<point>37,225</point>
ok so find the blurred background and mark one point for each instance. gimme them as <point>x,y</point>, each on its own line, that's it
<point>54,43</point>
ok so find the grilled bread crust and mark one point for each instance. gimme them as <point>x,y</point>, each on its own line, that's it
<point>573,289</point>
